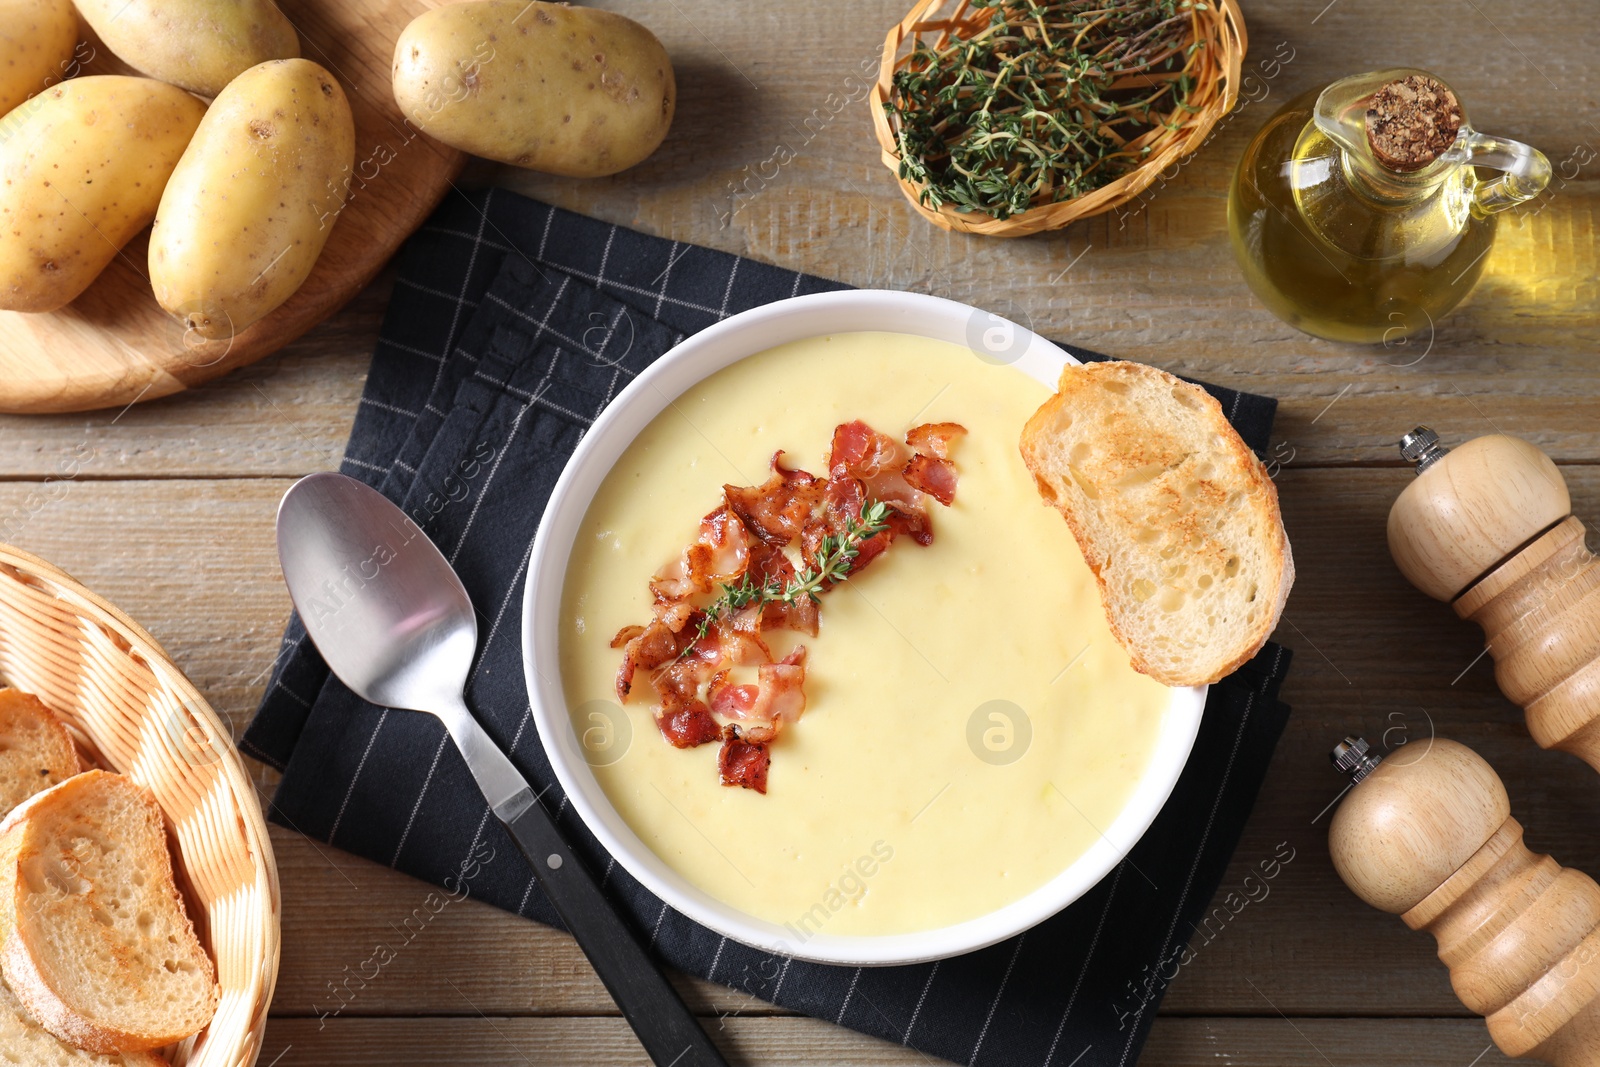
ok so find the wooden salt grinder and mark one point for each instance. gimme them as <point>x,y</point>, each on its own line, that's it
<point>1489,528</point>
<point>1426,833</point>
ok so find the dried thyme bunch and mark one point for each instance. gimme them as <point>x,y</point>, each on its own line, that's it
<point>1046,102</point>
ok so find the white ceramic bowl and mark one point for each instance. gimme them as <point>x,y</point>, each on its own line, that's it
<point>707,352</point>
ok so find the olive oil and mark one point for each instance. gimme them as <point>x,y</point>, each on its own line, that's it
<point>1350,248</point>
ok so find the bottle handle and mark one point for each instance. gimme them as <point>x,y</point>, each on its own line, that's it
<point>1524,170</point>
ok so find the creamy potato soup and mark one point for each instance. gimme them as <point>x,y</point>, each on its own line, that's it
<point>971,725</point>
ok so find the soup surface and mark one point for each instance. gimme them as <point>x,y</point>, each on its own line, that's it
<point>971,725</point>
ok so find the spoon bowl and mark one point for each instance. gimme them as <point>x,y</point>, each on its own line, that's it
<point>379,599</point>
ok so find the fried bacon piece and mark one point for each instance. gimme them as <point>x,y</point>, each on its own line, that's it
<point>776,510</point>
<point>720,554</point>
<point>857,449</point>
<point>930,470</point>
<point>769,564</point>
<point>626,634</point>
<point>933,438</point>
<point>864,464</point>
<point>675,614</point>
<point>777,697</point>
<point>653,646</point>
<point>676,673</point>
<point>734,642</point>
<point>672,663</point>
<point>732,701</point>
<point>876,460</point>
<point>743,762</point>
<point>678,683</point>
<point>936,477</point>
<point>689,726</point>
<point>841,503</point>
<point>674,582</point>
<point>691,656</point>
<point>781,695</point>
<point>885,471</point>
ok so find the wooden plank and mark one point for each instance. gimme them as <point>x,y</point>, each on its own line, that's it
<point>1280,1042</point>
<point>194,562</point>
<point>287,415</point>
<point>476,1038</point>
<point>337,908</point>
<point>291,414</point>
<point>1159,285</point>
<point>479,1039</point>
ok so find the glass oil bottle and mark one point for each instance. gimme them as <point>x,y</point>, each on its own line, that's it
<point>1358,214</point>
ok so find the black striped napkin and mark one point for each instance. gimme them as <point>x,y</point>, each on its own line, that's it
<point>512,325</point>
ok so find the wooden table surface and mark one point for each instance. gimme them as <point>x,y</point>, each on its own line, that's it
<point>170,514</point>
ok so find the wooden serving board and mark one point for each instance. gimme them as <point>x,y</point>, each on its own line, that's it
<point>115,346</point>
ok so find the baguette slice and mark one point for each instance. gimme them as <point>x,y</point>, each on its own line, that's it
<point>94,939</point>
<point>36,751</point>
<point>23,1041</point>
<point>1176,517</point>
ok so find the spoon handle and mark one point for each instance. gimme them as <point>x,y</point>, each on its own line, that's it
<point>661,1021</point>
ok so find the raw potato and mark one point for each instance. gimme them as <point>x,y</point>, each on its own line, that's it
<point>254,199</point>
<point>37,39</point>
<point>83,168</point>
<point>549,87</point>
<point>201,45</point>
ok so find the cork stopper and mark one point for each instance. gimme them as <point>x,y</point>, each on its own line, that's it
<point>1410,122</point>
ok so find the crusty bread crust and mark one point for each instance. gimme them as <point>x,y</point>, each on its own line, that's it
<point>1152,480</point>
<point>30,979</point>
<point>37,752</point>
<point>23,1040</point>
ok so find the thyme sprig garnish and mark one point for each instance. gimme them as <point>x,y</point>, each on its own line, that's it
<point>832,561</point>
<point>1050,100</point>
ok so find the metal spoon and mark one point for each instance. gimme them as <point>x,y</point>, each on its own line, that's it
<point>394,623</point>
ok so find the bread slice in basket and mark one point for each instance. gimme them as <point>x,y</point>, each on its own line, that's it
<point>23,1041</point>
<point>94,939</point>
<point>36,751</point>
<point>1175,515</point>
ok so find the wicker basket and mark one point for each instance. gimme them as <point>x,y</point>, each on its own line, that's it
<point>1216,86</point>
<point>132,711</point>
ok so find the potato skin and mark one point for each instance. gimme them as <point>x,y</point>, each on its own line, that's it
<point>201,45</point>
<point>251,204</point>
<point>83,166</point>
<point>564,90</point>
<point>37,41</point>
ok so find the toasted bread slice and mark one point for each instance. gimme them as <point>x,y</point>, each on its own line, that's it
<point>24,1041</point>
<point>1175,516</point>
<point>36,751</point>
<point>94,939</point>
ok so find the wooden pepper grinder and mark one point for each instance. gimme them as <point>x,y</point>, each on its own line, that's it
<point>1489,528</point>
<point>1427,834</point>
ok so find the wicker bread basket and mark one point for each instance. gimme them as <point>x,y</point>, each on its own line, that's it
<point>132,711</point>
<point>1214,70</point>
